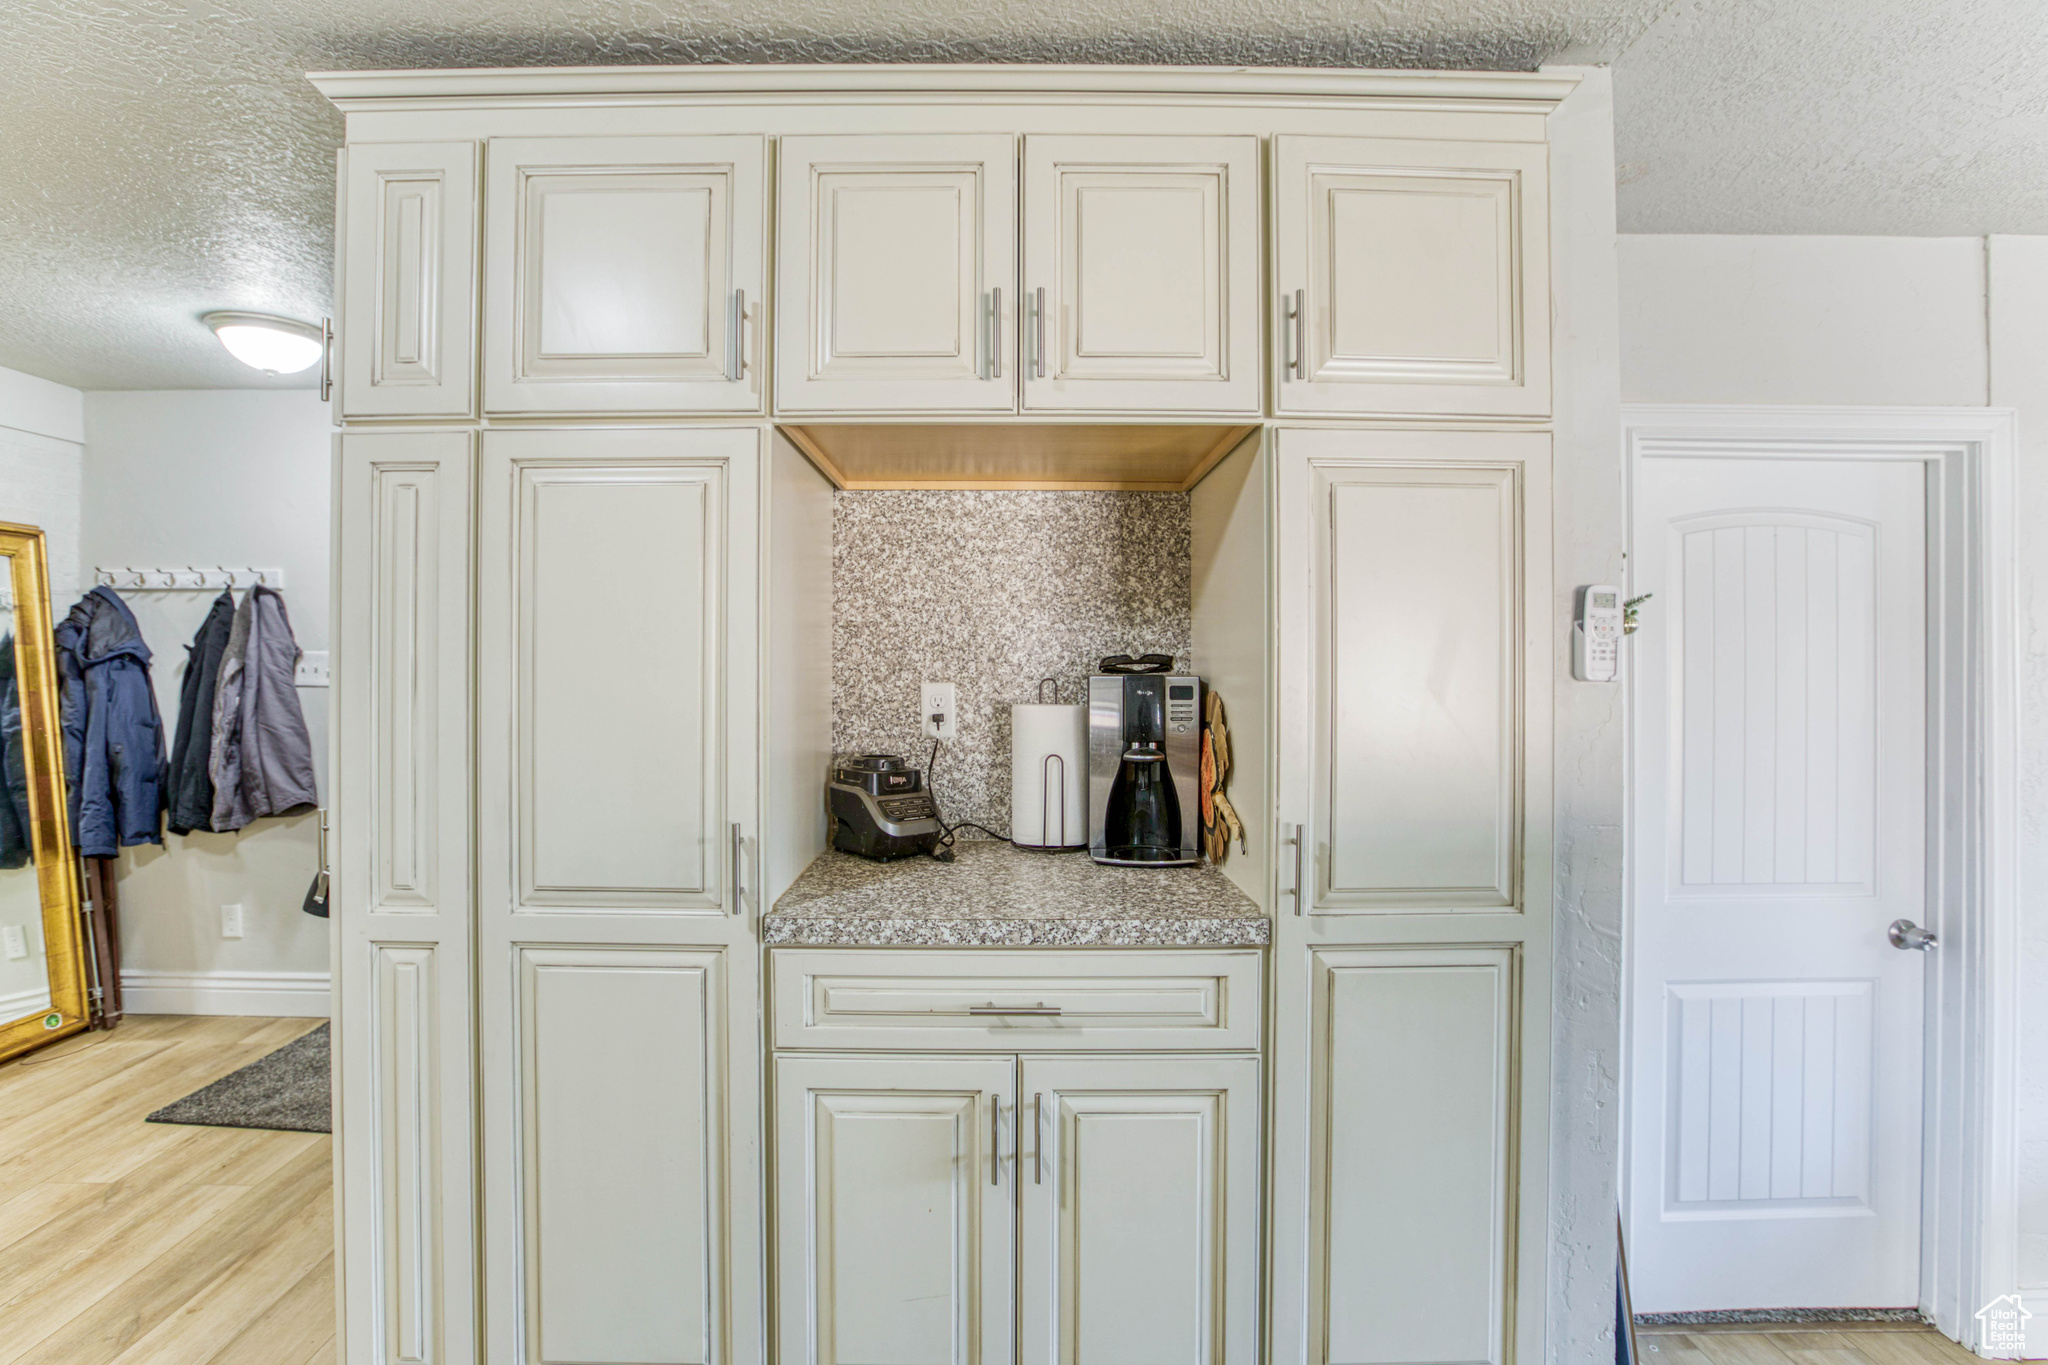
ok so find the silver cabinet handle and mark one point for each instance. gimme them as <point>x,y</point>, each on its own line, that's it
<point>1038,331</point>
<point>995,1140</point>
<point>1903,933</point>
<point>1297,313</point>
<point>326,359</point>
<point>1038,1139</point>
<point>995,335</point>
<point>1048,1010</point>
<point>735,334</point>
<point>739,904</point>
<point>1298,842</point>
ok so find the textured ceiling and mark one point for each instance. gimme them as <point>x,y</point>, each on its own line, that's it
<point>165,157</point>
<point>1917,118</point>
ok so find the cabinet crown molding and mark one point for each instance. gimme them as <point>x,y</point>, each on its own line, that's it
<point>1525,90</point>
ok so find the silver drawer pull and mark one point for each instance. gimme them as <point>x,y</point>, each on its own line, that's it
<point>1047,1010</point>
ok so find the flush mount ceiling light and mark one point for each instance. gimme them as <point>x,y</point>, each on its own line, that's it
<point>264,342</point>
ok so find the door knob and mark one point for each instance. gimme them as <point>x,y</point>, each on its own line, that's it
<point>1906,934</point>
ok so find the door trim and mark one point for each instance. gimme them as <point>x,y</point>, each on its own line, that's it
<point>1969,1240</point>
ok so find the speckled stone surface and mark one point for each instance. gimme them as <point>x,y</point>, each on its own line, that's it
<point>998,895</point>
<point>992,591</point>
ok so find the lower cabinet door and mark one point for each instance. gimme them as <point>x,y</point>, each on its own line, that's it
<point>1139,1180</point>
<point>895,1210</point>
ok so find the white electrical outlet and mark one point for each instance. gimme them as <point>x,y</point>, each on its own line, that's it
<point>231,921</point>
<point>15,941</point>
<point>939,718</point>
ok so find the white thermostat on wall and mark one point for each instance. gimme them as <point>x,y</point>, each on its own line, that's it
<point>1596,635</point>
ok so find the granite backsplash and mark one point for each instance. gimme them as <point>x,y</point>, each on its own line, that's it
<point>992,591</point>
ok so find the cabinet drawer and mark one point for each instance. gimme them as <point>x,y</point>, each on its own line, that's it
<point>998,999</point>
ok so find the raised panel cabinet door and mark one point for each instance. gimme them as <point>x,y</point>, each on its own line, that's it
<point>895,1210</point>
<point>408,310</point>
<point>1141,273</point>
<point>1410,1055</point>
<point>1417,618</point>
<point>1139,1184</point>
<point>617,975</point>
<point>1411,1155</point>
<point>611,1245</point>
<point>1413,277</point>
<point>401,898</point>
<point>625,274</point>
<point>616,621</point>
<point>896,273</point>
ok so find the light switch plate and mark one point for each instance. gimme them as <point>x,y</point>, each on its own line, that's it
<point>940,699</point>
<point>231,921</point>
<point>312,670</point>
<point>14,941</point>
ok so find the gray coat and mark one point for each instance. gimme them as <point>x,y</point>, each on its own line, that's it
<point>262,760</point>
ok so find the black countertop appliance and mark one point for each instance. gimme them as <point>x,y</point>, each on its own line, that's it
<point>880,808</point>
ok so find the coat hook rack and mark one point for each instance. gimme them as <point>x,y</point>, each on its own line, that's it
<point>189,578</point>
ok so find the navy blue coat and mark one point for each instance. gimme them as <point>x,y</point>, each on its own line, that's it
<point>113,737</point>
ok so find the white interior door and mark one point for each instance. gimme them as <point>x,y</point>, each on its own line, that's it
<point>895,1211</point>
<point>1779,807</point>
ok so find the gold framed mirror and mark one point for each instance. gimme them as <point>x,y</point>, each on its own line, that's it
<point>42,953</point>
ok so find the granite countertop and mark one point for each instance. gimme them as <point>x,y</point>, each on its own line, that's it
<point>998,894</point>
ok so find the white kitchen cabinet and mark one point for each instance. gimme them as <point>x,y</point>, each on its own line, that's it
<point>1141,274</point>
<point>558,686</point>
<point>1412,948</point>
<point>895,1209</point>
<point>402,896</point>
<point>1139,1182</point>
<point>624,274</point>
<point>616,975</point>
<point>901,1179</point>
<point>896,274</point>
<point>945,1000</point>
<point>1412,277</point>
<point>409,226</point>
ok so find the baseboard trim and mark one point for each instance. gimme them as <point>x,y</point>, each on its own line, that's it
<point>21,1004</point>
<point>295,995</point>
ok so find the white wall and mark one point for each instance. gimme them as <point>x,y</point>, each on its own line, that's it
<point>42,426</point>
<point>42,435</point>
<point>217,477</point>
<point>1886,321</point>
<point>1816,320</point>
<point>2017,299</point>
<point>1588,521</point>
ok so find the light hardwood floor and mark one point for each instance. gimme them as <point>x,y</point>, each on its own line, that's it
<point>153,1244</point>
<point>1845,1344</point>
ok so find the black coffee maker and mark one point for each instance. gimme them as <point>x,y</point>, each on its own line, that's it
<point>1144,764</point>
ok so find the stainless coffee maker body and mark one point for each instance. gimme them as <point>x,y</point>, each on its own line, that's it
<point>1144,769</point>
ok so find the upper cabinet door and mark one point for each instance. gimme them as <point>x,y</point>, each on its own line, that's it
<point>408,317</point>
<point>1414,277</point>
<point>896,274</point>
<point>624,274</point>
<point>1141,274</point>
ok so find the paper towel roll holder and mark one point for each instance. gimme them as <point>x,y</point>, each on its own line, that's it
<point>1052,776</point>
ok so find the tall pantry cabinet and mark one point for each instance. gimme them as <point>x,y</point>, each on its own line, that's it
<point>590,319</point>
